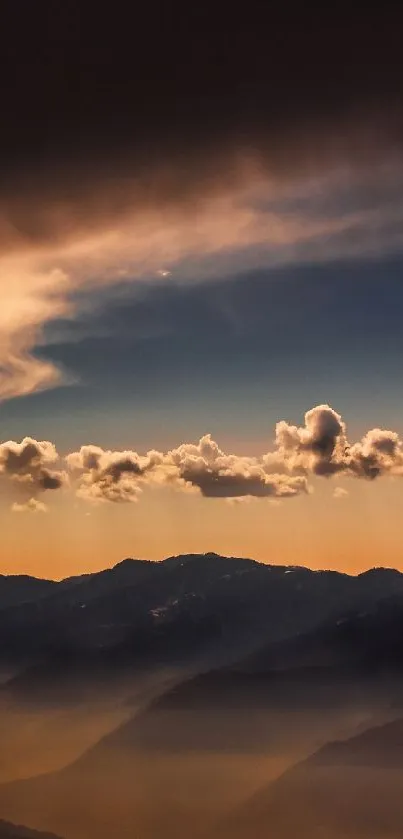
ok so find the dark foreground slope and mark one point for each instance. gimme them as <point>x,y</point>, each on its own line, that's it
<point>14,831</point>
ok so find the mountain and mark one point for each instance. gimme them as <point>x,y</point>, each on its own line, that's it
<point>16,589</point>
<point>352,788</point>
<point>361,646</point>
<point>198,750</point>
<point>170,774</point>
<point>212,739</point>
<point>353,658</point>
<point>284,661</point>
<point>199,610</point>
<point>178,768</point>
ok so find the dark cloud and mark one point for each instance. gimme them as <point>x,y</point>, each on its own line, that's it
<point>27,463</point>
<point>378,453</point>
<point>129,146</point>
<point>125,89</point>
<point>50,480</point>
<point>320,447</point>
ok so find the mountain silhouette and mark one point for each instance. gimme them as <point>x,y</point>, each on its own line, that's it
<point>16,589</point>
<point>14,831</point>
<point>200,607</point>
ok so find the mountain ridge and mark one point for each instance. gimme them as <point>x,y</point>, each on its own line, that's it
<point>202,610</point>
<point>176,558</point>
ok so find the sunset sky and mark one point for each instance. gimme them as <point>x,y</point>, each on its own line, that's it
<point>201,233</point>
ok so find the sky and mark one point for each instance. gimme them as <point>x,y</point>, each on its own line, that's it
<point>201,259</point>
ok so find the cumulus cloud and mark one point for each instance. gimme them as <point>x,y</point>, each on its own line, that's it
<point>318,449</point>
<point>29,467</point>
<point>321,447</point>
<point>110,476</point>
<point>220,475</point>
<point>119,476</point>
<point>30,506</point>
<point>378,453</point>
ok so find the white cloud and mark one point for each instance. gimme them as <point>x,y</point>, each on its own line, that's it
<point>340,492</point>
<point>30,506</point>
<point>319,448</point>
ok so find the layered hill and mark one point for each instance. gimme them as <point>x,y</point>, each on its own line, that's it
<point>352,788</point>
<point>212,740</point>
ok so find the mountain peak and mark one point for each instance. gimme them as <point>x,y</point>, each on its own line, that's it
<point>129,562</point>
<point>209,555</point>
<point>380,569</point>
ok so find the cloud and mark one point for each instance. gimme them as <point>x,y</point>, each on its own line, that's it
<point>380,452</point>
<point>55,251</point>
<point>318,449</point>
<point>236,84</point>
<point>321,447</point>
<point>102,185</point>
<point>340,492</point>
<point>110,476</point>
<point>28,466</point>
<point>121,476</point>
<point>30,506</point>
<point>220,475</point>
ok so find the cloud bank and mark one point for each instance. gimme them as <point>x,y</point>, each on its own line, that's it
<point>319,448</point>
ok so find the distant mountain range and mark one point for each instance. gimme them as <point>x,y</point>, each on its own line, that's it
<point>200,610</point>
<point>277,663</point>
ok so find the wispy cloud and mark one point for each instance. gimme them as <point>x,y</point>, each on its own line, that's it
<point>253,219</point>
<point>340,493</point>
